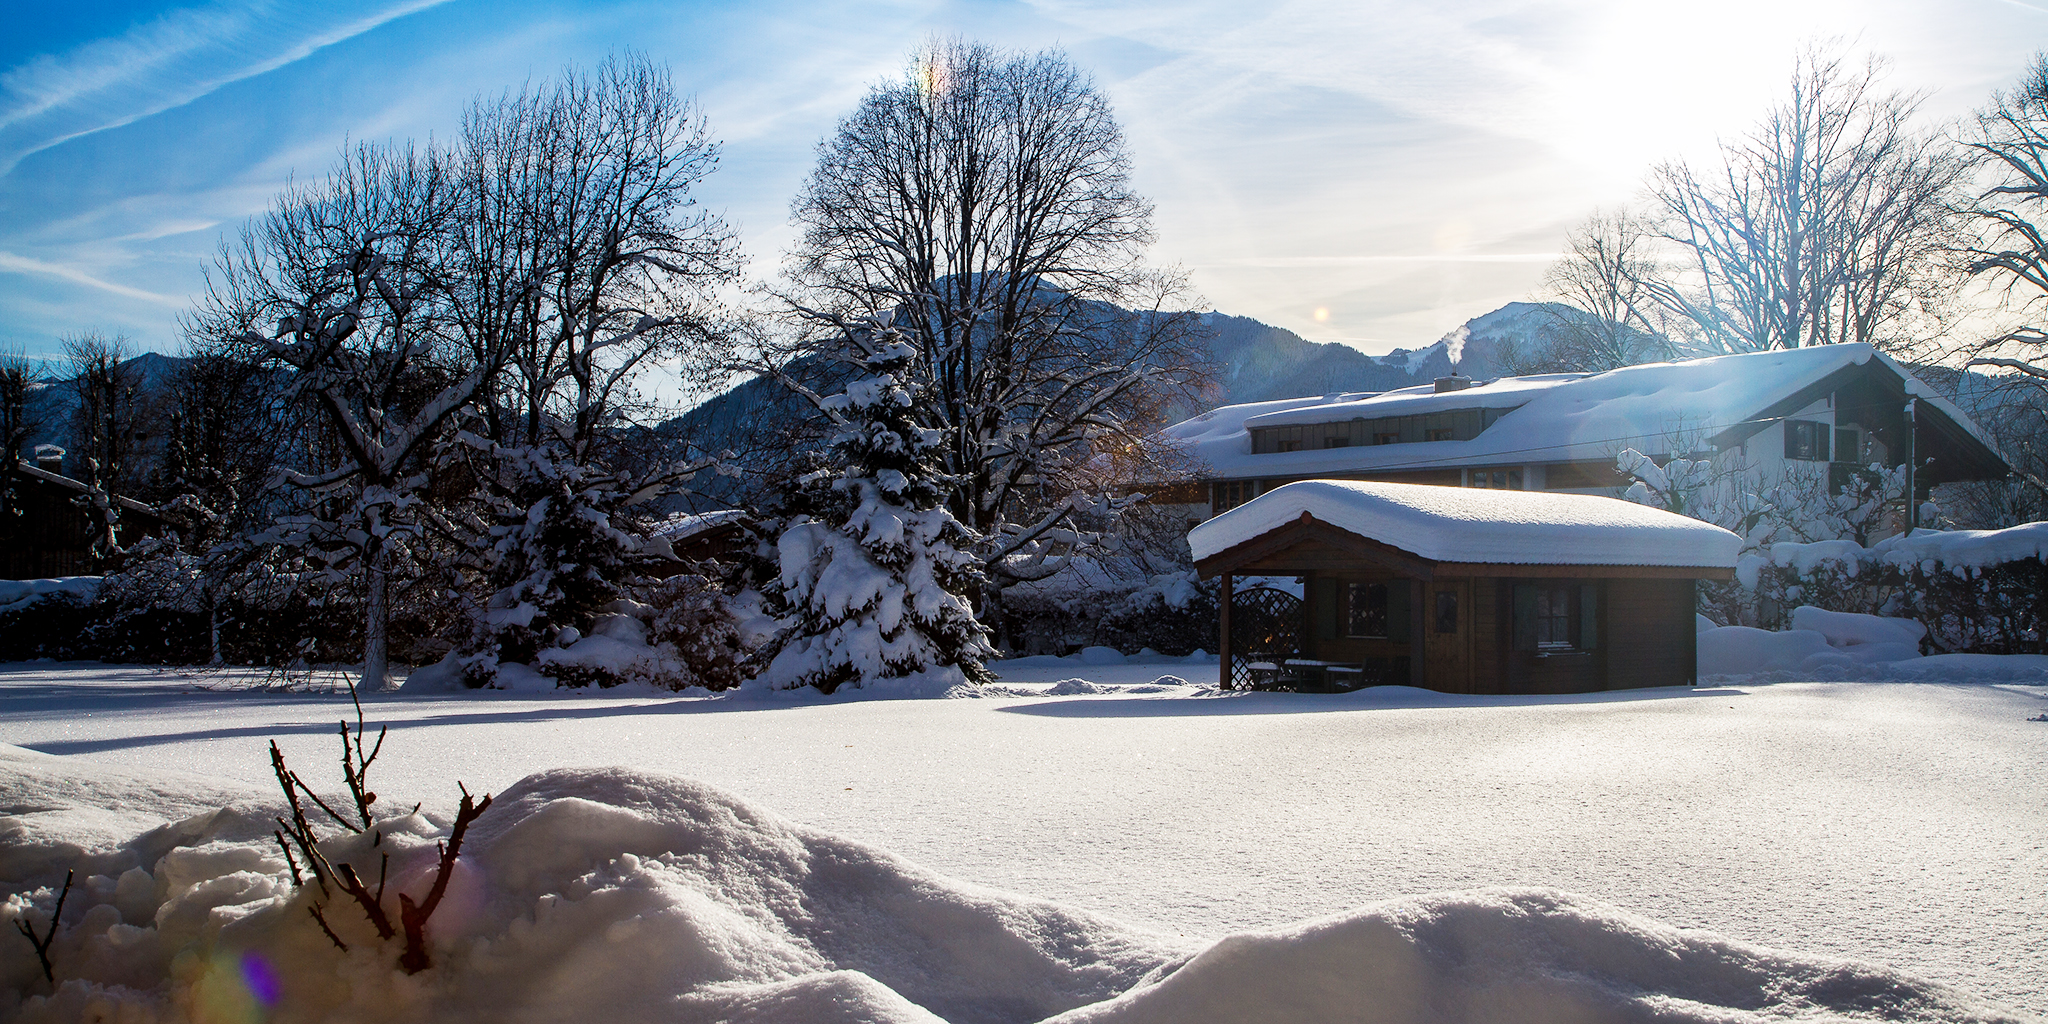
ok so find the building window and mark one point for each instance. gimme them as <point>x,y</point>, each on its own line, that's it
<point>1496,479</point>
<point>1553,618</point>
<point>1806,441</point>
<point>1225,495</point>
<point>1845,444</point>
<point>1447,611</point>
<point>1336,442</point>
<point>1290,446</point>
<point>1440,434</point>
<point>1392,437</point>
<point>1368,610</point>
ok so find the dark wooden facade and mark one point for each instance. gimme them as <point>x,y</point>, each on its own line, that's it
<point>1474,628</point>
<point>45,532</point>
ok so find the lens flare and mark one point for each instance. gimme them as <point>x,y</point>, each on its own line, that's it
<point>231,990</point>
<point>260,977</point>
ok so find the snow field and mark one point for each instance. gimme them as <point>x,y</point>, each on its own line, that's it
<point>1886,823</point>
<point>631,896</point>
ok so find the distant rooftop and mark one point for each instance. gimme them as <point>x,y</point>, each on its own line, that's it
<point>1563,417</point>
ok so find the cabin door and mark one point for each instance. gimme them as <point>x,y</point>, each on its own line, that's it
<point>1447,635</point>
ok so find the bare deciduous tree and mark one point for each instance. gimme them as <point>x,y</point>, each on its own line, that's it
<point>2010,249</point>
<point>103,430</point>
<point>980,210</point>
<point>2011,215</point>
<point>1605,272</point>
<point>584,199</point>
<point>344,287</point>
<point>20,378</point>
<point>1828,222</point>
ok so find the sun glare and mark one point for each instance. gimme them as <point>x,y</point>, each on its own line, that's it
<point>1322,314</point>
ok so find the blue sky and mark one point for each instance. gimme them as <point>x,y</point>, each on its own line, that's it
<point>1368,172</point>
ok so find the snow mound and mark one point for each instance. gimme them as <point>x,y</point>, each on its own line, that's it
<point>1823,642</point>
<point>1850,629</point>
<point>18,594</point>
<point>1514,955</point>
<point>1076,687</point>
<point>1464,524</point>
<point>627,896</point>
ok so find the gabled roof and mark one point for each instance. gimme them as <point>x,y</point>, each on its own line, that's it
<point>1476,525</point>
<point>1562,417</point>
<point>44,475</point>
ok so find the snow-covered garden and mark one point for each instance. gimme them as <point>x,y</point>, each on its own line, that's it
<point>1063,843</point>
<point>719,712</point>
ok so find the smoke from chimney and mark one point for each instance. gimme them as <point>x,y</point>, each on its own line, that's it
<point>1454,345</point>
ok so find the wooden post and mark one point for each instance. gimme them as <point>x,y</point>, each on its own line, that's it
<point>1223,635</point>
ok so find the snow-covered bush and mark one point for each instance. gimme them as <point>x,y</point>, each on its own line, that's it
<point>1100,603</point>
<point>712,633</point>
<point>1981,591</point>
<point>873,583</point>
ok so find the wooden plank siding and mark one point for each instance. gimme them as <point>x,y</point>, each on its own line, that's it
<point>1491,635</point>
<point>1650,634</point>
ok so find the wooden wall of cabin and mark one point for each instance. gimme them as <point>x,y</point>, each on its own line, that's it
<point>1491,635</point>
<point>1652,639</point>
<point>1326,604</point>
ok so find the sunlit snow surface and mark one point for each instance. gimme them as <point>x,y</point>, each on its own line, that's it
<point>1897,824</point>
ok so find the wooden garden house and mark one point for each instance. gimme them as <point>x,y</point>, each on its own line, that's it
<point>1462,590</point>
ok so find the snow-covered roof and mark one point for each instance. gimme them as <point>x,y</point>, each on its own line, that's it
<point>1565,417</point>
<point>1467,524</point>
<point>684,525</point>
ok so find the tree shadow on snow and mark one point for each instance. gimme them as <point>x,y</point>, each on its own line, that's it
<point>1379,698</point>
<point>324,726</point>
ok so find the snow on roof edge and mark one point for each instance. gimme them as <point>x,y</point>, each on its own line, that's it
<point>1458,524</point>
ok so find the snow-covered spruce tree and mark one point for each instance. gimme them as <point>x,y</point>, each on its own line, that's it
<point>873,581</point>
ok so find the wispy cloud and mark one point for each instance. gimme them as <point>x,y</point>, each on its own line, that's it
<point>165,63</point>
<point>1345,261</point>
<point>25,265</point>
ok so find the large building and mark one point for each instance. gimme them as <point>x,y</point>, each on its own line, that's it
<point>1831,409</point>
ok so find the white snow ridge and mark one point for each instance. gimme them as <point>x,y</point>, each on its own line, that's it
<point>625,896</point>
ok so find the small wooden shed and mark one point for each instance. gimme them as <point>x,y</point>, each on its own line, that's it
<point>1465,590</point>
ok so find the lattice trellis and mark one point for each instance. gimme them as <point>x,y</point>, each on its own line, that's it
<point>1265,625</point>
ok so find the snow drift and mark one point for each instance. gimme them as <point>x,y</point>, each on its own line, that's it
<point>621,895</point>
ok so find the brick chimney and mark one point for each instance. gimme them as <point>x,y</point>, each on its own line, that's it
<point>1454,382</point>
<point>50,459</point>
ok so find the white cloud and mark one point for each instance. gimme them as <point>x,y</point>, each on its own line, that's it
<point>25,265</point>
<point>164,63</point>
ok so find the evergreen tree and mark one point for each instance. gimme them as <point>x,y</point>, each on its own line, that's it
<point>873,576</point>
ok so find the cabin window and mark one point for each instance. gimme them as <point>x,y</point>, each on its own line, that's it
<point>1387,437</point>
<point>1336,442</point>
<point>1555,618</point>
<point>1290,446</point>
<point>1496,479</point>
<point>1447,611</point>
<point>1441,434</point>
<point>1806,441</point>
<point>1368,610</point>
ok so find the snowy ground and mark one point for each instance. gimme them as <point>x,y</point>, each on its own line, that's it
<point>1897,823</point>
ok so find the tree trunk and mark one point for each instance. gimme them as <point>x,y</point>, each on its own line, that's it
<point>376,623</point>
